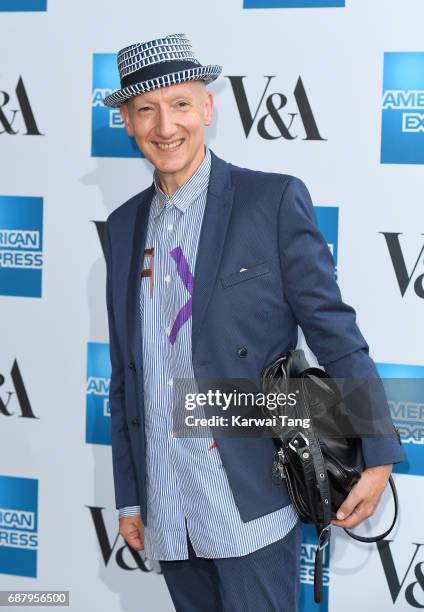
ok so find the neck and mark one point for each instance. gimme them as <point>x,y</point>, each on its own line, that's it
<point>169,183</point>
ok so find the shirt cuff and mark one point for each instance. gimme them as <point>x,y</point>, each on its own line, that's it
<point>129,511</point>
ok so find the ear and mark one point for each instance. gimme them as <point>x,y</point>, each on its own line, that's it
<point>126,118</point>
<point>209,104</point>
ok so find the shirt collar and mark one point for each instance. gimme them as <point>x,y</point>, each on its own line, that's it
<point>187,193</point>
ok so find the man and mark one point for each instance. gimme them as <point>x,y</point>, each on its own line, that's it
<point>210,271</point>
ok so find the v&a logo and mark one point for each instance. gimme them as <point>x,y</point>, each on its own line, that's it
<point>405,278</point>
<point>16,401</point>
<point>125,557</point>
<point>271,123</point>
<point>409,586</point>
<point>16,113</point>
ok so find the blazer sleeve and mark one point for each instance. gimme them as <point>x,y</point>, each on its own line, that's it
<point>329,324</point>
<point>123,466</point>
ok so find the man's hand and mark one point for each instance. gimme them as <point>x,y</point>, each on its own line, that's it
<point>131,529</point>
<point>363,497</point>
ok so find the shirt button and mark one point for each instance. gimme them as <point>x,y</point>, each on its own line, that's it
<point>170,227</point>
<point>167,279</point>
<point>171,381</point>
<point>167,330</point>
<point>242,351</point>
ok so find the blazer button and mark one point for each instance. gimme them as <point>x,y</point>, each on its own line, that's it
<point>242,351</point>
<point>131,366</point>
<point>135,423</point>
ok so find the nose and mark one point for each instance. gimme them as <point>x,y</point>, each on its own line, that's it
<point>165,128</point>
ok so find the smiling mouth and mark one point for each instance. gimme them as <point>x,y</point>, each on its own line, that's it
<point>169,146</point>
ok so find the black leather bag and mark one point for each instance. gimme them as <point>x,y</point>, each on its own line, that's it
<point>318,464</point>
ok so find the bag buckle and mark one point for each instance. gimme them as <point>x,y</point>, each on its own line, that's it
<point>324,537</point>
<point>294,442</point>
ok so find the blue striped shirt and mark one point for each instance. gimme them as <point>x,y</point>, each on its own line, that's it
<point>186,480</point>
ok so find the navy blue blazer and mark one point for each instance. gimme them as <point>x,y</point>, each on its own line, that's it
<point>264,222</point>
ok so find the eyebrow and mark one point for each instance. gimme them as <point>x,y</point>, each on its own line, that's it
<point>173,98</point>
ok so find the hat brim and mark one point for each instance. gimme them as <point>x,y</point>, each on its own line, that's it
<point>200,73</point>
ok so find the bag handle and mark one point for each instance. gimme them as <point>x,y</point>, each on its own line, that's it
<point>324,540</point>
<point>382,535</point>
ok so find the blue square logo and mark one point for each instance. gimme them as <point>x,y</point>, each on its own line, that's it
<point>268,4</point>
<point>307,566</point>
<point>402,124</point>
<point>109,137</point>
<point>327,218</point>
<point>18,526</point>
<point>23,5</point>
<point>404,386</point>
<point>99,369</point>
<point>21,246</point>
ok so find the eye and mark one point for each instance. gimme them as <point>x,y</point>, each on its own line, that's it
<point>182,104</point>
<point>144,109</point>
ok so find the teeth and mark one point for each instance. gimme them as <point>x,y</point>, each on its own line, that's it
<point>170,145</point>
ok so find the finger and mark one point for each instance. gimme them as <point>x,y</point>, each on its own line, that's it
<point>133,536</point>
<point>350,503</point>
<point>135,541</point>
<point>137,544</point>
<point>359,514</point>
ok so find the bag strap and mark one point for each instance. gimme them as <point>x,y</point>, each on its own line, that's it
<point>311,462</point>
<point>323,541</point>
<point>386,533</point>
<point>311,459</point>
<point>370,539</point>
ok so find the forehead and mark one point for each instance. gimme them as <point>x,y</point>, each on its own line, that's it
<point>170,92</point>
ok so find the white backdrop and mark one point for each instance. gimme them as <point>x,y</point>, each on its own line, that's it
<point>339,55</point>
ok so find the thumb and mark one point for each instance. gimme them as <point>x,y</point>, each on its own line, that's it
<point>132,529</point>
<point>135,539</point>
<point>349,504</point>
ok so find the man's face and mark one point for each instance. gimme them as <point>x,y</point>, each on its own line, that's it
<point>168,126</point>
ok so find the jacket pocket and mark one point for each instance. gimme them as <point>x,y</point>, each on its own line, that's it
<point>240,277</point>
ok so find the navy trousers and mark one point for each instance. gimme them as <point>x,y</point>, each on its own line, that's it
<point>266,580</point>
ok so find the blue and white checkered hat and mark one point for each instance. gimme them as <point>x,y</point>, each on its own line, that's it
<point>157,63</point>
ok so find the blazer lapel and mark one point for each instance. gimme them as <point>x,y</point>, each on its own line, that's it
<point>134,278</point>
<point>212,238</point>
